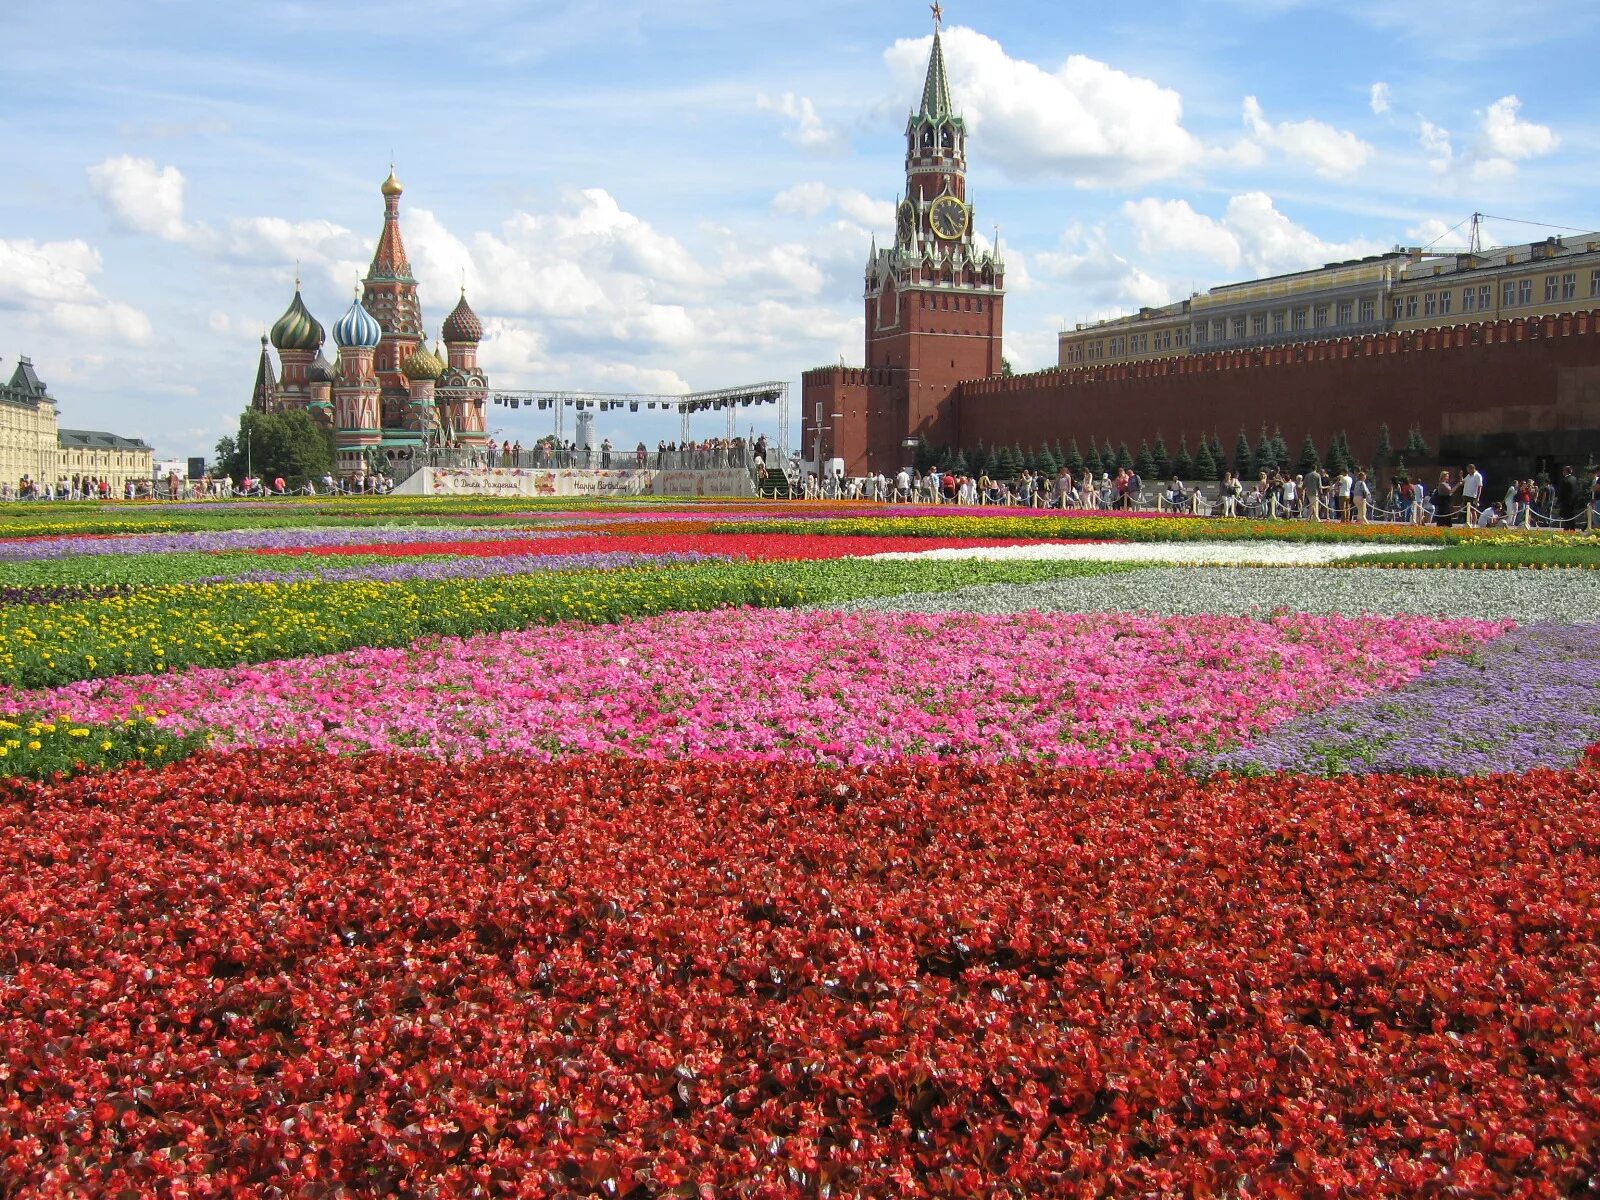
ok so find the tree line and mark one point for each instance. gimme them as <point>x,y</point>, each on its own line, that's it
<point>1205,462</point>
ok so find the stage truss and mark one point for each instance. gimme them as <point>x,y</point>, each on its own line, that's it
<point>730,400</point>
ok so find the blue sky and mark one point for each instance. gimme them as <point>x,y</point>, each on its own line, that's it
<point>651,197</point>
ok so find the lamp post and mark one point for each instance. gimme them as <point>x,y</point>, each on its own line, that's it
<point>249,467</point>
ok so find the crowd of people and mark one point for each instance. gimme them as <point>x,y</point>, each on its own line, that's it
<point>1349,495</point>
<point>547,454</point>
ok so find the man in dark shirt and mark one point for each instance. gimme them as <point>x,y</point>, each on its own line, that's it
<point>1567,491</point>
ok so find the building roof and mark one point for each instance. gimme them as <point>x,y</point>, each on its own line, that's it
<point>936,91</point>
<point>94,439</point>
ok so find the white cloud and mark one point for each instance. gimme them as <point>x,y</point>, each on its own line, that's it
<point>1436,142</point>
<point>1103,281</point>
<point>809,130</point>
<point>1507,136</point>
<point>1084,121</point>
<point>51,286</point>
<point>1329,152</point>
<point>1382,98</point>
<point>141,197</point>
<point>814,199</point>
<point>1252,236</point>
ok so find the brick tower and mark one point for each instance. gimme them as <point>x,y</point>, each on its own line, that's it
<point>934,308</point>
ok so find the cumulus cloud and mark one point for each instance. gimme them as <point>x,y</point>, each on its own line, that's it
<point>1083,121</point>
<point>51,284</point>
<point>806,127</point>
<point>815,199</point>
<point>1104,282</point>
<point>1506,135</point>
<point>1329,152</point>
<point>1381,99</point>
<point>140,197</point>
<point>1252,237</point>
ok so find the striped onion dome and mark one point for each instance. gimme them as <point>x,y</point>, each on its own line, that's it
<point>320,371</point>
<point>463,325</point>
<point>424,364</point>
<point>297,329</point>
<point>357,329</point>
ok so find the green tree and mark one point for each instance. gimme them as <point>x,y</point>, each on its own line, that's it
<point>923,458</point>
<point>1266,457</point>
<point>1416,444</point>
<point>1216,452</point>
<point>1280,449</point>
<point>946,458</point>
<point>1005,466</point>
<point>1108,456</point>
<point>288,444</point>
<point>1205,467</point>
<point>1124,459</point>
<point>1074,460</point>
<point>1183,465</point>
<point>1163,460</point>
<point>1092,463</point>
<point>1024,461</point>
<point>959,465</point>
<point>1146,463</point>
<point>1401,475</point>
<point>1310,459</point>
<point>1243,463</point>
<point>1060,457</point>
<point>1047,463</point>
<point>1005,369</point>
<point>1384,454</point>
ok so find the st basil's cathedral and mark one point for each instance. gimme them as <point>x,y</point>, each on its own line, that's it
<point>386,396</point>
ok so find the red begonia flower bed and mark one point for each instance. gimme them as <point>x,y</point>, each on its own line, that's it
<point>280,973</point>
<point>749,546</point>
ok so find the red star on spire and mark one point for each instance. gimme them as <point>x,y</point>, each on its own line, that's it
<point>938,14</point>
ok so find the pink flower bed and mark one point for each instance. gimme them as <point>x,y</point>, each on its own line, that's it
<point>1071,690</point>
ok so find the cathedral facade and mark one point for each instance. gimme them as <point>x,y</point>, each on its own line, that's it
<point>385,395</point>
<point>935,305</point>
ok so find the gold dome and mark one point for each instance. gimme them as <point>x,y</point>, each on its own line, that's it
<point>391,185</point>
<point>422,365</point>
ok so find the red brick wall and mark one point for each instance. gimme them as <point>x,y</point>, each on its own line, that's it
<point>1318,388</point>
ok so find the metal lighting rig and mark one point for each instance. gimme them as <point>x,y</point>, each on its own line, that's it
<point>723,399</point>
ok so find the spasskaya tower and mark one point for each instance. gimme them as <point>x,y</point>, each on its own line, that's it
<point>934,307</point>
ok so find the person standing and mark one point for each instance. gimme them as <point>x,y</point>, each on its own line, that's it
<point>1314,494</point>
<point>1472,489</point>
<point>1361,496</point>
<point>1342,491</point>
<point>1444,501</point>
<point>1568,494</point>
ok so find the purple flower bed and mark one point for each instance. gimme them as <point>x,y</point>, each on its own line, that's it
<point>475,567</point>
<point>1528,700</point>
<point>251,539</point>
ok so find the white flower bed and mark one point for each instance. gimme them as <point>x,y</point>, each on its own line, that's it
<point>1210,554</point>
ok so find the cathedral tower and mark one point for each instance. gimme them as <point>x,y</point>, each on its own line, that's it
<point>389,293</point>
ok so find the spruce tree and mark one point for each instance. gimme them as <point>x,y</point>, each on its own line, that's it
<point>1074,460</point>
<point>1310,460</point>
<point>1005,465</point>
<point>1124,459</point>
<point>923,457</point>
<point>1108,456</point>
<point>1205,467</point>
<point>1146,463</point>
<point>1093,463</point>
<point>958,465</point>
<point>1022,460</point>
<point>1163,460</point>
<point>1046,463</point>
<point>1416,444</point>
<point>1243,464</point>
<point>1061,458</point>
<point>946,458</point>
<point>1266,458</point>
<point>1280,450</point>
<point>1183,465</point>
<point>1385,452</point>
<point>1217,457</point>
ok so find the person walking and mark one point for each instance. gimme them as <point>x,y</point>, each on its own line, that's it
<point>1568,493</point>
<point>1472,489</point>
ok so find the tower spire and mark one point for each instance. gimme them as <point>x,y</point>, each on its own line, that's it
<point>936,91</point>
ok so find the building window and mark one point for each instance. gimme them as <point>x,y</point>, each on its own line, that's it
<point>1181,338</point>
<point>1411,308</point>
<point>1552,288</point>
<point>1569,286</point>
<point>1469,300</point>
<point>1258,325</point>
<point>1219,331</point>
<point>1446,299</point>
<point>1594,283</point>
<point>1483,297</point>
<point>1299,320</point>
<point>1347,312</point>
<point>1280,322</point>
<point>1202,334</point>
<point>1320,316</point>
<point>1508,294</point>
<point>1430,304</point>
<point>1525,292</point>
<point>1238,329</point>
<point>1369,311</point>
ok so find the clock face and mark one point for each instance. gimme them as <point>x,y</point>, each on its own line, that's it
<point>949,218</point>
<point>907,223</point>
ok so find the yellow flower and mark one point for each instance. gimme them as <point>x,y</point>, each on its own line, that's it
<point>34,746</point>
<point>103,746</point>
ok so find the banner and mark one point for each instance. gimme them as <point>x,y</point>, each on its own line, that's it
<point>527,481</point>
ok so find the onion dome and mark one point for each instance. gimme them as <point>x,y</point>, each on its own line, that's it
<point>391,185</point>
<point>320,371</point>
<point>357,329</point>
<point>424,364</point>
<point>462,325</point>
<point>297,329</point>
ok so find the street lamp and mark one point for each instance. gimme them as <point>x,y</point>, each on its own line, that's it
<point>249,467</point>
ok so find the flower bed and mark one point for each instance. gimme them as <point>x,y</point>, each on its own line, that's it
<point>1531,699</point>
<point>810,686</point>
<point>291,540</point>
<point>385,976</point>
<point>765,547</point>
